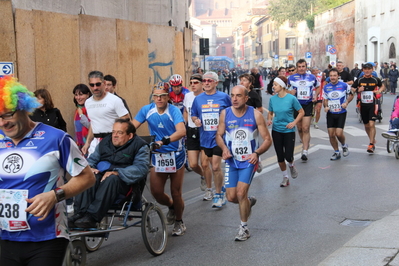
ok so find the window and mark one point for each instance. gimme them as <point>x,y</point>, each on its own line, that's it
<point>289,43</point>
<point>392,51</point>
<point>223,49</point>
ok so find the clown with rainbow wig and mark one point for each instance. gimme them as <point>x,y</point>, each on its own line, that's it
<point>35,158</point>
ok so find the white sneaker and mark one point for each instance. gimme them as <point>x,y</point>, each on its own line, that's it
<point>203,184</point>
<point>243,234</point>
<point>179,229</point>
<point>217,200</point>
<point>70,208</point>
<point>285,182</point>
<point>294,172</point>
<point>208,194</point>
<point>260,167</point>
<point>170,217</point>
<point>316,126</point>
<point>345,151</point>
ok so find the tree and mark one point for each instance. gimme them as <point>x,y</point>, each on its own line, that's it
<point>298,10</point>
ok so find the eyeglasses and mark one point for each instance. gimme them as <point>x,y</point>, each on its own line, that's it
<point>207,80</point>
<point>291,70</point>
<point>7,116</point>
<point>194,82</point>
<point>163,95</point>
<point>98,84</point>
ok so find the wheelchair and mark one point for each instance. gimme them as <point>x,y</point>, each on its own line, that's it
<point>131,210</point>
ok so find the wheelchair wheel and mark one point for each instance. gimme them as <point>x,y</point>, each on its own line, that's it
<point>75,254</point>
<point>93,243</point>
<point>153,229</point>
<point>396,149</point>
<point>390,145</point>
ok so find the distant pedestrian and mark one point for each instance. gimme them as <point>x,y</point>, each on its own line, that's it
<point>393,76</point>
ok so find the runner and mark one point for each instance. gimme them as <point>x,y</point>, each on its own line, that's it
<point>281,114</point>
<point>302,86</point>
<point>335,102</point>
<point>237,136</point>
<point>193,136</point>
<point>317,106</point>
<point>177,91</point>
<point>166,123</point>
<point>367,87</point>
<point>205,113</point>
<point>35,158</point>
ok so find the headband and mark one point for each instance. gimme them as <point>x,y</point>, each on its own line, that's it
<point>196,77</point>
<point>280,82</point>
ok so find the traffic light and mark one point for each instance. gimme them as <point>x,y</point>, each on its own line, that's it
<point>204,46</point>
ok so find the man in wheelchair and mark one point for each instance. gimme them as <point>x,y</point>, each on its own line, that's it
<point>120,160</point>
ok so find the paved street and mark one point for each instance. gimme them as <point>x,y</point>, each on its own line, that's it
<point>296,225</point>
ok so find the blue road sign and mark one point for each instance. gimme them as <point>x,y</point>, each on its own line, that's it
<point>6,68</point>
<point>276,56</point>
<point>308,55</point>
<point>328,47</point>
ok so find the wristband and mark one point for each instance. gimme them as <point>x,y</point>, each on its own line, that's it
<point>59,194</point>
<point>165,140</point>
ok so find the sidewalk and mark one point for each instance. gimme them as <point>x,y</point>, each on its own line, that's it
<point>376,245</point>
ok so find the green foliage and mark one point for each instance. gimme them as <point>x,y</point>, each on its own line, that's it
<point>310,22</point>
<point>298,10</point>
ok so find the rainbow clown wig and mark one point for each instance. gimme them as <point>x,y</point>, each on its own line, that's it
<point>15,96</point>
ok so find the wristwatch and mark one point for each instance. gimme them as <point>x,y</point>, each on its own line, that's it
<point>165,140</point>
<point>59,194</point>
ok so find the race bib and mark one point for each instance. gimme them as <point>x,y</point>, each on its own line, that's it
<point>335,106</point>
<point>165,162</point>
<point>303,93</point>
<point>210,121</point>
<point>241,146</point>
<point>367,97</point>
<point>13,217</point>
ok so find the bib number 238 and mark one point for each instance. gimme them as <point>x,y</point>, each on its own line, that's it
<point>13,203</point>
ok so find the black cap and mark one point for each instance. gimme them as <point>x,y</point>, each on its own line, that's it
<point>367,65</point>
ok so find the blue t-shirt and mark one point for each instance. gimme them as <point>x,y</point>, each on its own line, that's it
<point>241,137</point>
<point>37,165</point>
<point>207,108</point>
<point>304,85</point>
<point>336,96</point>
<point>161,125</point>
<point>283,109</point>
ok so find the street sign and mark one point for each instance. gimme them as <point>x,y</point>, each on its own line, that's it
<point>6,68</point>
<point>308,55</point>
<point>276,57</point>
<point>332,50</point>
<point>290,57</point>
<point>328,48</point>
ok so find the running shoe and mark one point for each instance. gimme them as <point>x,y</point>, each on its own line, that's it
<point>260,167</point>
<point>304,156</point>
<point>243,234</point>
<point>335,156</point>
<point>252,202</point>
<point>217,200</point>
<point>294,172</point>
<point>203,184</point>
<point>179,229</point>
<point>285,182</point>
<point>187,166</point>
<point>224,198</point>
<point>345,151</point>
<point>371,148</point>
<point>208,194</point>
<point>170,217</point>
<point>316,126</point>
<point>389,135</point>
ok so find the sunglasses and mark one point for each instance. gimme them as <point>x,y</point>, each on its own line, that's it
<point>7,116</point>
<point>160,95</point>
<point>194,82</point>
<point>207,80</point>
<point>98,84</point>
<point>291,70</point>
